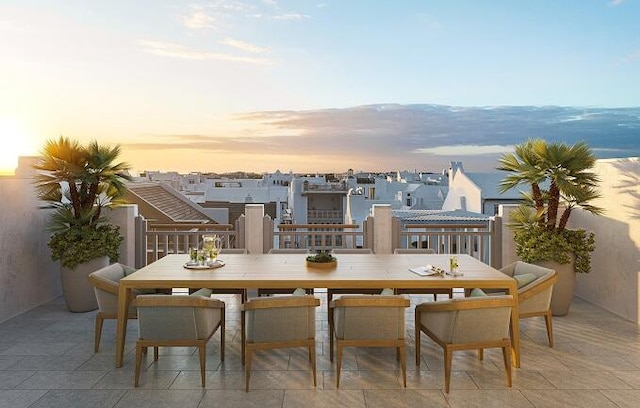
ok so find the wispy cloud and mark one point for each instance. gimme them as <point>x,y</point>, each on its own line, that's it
<point>290,17</point>
<point>634,56</point>
<point>616,2</point>
<point>198,19</point>
<point>244,46</point>
<point>173,50</point>
<point>465,150</point>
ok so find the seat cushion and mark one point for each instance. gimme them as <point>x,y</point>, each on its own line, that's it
<point>524,279</point>
<point>477,292</point>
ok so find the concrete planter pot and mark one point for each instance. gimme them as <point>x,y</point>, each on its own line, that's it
<point>76,288</point>
<point>563,289</point>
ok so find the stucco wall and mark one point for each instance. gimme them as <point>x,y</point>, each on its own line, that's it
<point>28,277</point>
<point>613,282</point>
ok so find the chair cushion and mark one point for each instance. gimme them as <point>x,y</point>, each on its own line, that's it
<point>524,279</point>
<point>477,292</point>
<point>387,292</point>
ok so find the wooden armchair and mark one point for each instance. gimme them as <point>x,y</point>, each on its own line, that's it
<point>178,321</point>
<point>278,322</point>
<point>466,324</point>
<point>534,295</point>
<point>106,284</point>
<point>368,321</point>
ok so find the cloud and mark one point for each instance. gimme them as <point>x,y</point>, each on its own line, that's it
<point>290,17</point>
<point>616,2</point>
<point>465,150</point>
<point>198,19</point>
<point>634,56</point>
<point>244,46</point>
<point>173,50</point>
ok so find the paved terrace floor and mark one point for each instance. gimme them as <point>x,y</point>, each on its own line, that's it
<point>47,360</point>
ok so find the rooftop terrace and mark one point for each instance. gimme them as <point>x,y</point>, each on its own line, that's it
<point>47,360</point>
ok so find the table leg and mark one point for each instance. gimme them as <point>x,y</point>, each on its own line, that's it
<point>123,312</point>
<point>515,326</point>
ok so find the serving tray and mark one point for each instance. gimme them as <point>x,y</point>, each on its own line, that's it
<point>213,265</point>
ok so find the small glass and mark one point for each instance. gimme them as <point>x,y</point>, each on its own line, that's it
<point>193,255</point>
<point>202,256</point>
<point>453,265</point>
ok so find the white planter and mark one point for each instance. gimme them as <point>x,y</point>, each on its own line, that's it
<point>76,288</point>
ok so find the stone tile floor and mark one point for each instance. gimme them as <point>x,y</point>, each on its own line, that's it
<point>47,360</point>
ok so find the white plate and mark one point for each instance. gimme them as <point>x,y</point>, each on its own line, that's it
<point>215,264</point>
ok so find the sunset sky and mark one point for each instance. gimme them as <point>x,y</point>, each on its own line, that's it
<point>223,85</point>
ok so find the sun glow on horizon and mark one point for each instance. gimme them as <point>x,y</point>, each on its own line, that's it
<point>17,141</point>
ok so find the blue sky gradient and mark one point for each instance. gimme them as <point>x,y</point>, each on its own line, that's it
<point>143,72</point>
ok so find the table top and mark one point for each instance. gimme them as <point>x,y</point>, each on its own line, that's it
<point>291,271</point>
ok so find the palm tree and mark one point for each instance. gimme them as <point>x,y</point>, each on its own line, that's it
<point>79,181</point>
<point>566,171</point>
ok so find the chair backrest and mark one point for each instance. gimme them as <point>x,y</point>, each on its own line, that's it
<point>284,318</point>
<point>106,283</point>
<point>167,317</point>
<point>352,251</point>
<point>534,296</point>
<point>289,251</point>
<point>407,251</point>
<point>468,320</point>
<point>241,251</point>
<point>369,317</point>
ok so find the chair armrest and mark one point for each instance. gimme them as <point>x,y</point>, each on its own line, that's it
<point>279,302</point>
<point>370,301</point>
<point>177,301</point>
<point>466,303</point>
<point>104,284</point>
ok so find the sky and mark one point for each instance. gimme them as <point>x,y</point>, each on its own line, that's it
<point>213,86</point>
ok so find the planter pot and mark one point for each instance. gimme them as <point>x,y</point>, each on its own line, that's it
<point>322,265</point>
<point>563,289</point>
<point>76,288</point>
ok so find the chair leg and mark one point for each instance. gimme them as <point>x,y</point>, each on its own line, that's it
<point>548,320</point>
<point>155,354</point>
<point>448,355</point>
<point>222,335</point>
<point>417,337</point>
<point>312,358</point>
<point>243,340</point>
<point>247,368</point>
<point>98,332</point>
<point>138,364</point>
<point>403,365</point>
<point>203,363</point>
<point>481,354</point>
<point>506,355</point>
<point>338,365</point>
<point>331,329</point>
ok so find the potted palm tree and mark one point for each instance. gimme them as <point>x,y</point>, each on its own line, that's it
<point>78,182</point>
<point>561,179</point>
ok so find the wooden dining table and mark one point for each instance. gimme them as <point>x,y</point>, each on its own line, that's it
<point>352,271</point>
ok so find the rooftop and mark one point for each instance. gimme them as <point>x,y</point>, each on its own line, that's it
<point>47,360</point>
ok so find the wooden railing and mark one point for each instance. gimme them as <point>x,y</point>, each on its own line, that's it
<point>474,239</point>
<point>318,237</point>
<point>164,239</point>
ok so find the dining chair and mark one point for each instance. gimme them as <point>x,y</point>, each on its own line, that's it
<point>420,291</point>
<point>535,287</point>
<point>106,285</point>
<point>278,322</point>
<point>280,291</point>
<point>368,321</point>
<point>472,323</point>
<point>179,321</point>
